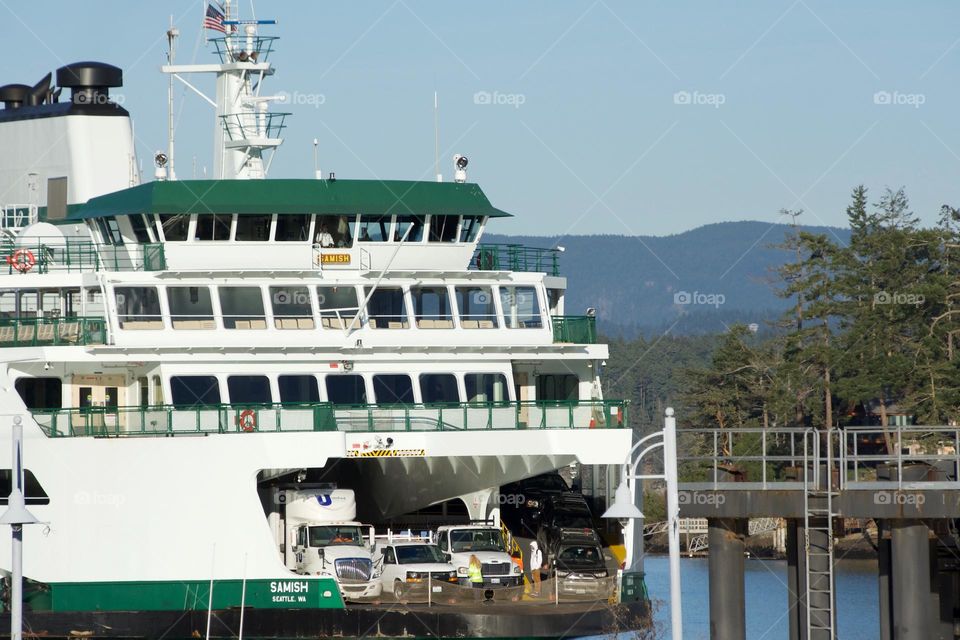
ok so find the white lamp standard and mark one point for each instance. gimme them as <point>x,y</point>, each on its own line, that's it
<point>16,516</point>
<point>624,508</point>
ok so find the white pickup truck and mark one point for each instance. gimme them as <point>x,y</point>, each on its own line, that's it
<point>460,542</point>
<point>325,540</point>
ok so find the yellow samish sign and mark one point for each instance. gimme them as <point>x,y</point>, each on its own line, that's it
<point>334,258</point>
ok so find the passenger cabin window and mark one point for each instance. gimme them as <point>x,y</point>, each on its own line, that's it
<point>337,306</point>
<point>298,389</point>
<point>557,387</point>
<point>521,308</point>
<point>374,228</point>
<point>476,307</point>
<point>141,229</point>
<point>249,390</point>
<point>411,226</point>
<point>190,308</point>
<point>486,387</point>
<point>291,308</point>
<point>334,231</point>
<point>212,226</point>
<point>194,391</point>
<point>253,228</point>
<point>443,228</point>
<point>138,308</point>
<point>174,227</point>
<point>392,389</point>
<point>431,307</point>
<point>242,308</point>
<point>387,309</point>
<point>40,393</point>
<point>293,227</point>
<point>346,389</point>
<point>436,388</point>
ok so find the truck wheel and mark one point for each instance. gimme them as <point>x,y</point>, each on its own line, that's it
<point>398,590</point>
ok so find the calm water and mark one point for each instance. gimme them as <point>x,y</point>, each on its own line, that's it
<point>766,590</point>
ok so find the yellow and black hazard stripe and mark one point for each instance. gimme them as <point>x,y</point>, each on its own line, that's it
<point>388,453</point>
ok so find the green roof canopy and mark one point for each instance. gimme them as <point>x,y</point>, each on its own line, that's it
<point>391,197</point>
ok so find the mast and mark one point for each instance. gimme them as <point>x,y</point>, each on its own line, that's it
<point>246,133</point>
<point>172,35</point>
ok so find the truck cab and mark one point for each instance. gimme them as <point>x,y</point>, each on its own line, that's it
<point>459,542</point>
<point>326,541</point>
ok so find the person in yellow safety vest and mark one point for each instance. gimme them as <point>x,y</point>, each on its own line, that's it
<point>475,572</point>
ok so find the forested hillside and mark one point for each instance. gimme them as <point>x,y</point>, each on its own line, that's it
<point>637,284</point>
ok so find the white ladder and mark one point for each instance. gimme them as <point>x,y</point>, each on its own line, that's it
<point>818,497</point>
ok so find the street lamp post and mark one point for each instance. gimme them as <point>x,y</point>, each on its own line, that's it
<point>624,507</point>
<point>16,516</point>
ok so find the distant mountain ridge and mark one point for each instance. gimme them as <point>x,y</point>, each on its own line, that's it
<point>698,281</point>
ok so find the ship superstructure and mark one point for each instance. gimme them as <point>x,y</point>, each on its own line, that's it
<point>184,351</point>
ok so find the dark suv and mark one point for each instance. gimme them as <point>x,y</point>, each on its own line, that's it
<point>524,500</point>
<point>561,513</point>
<point>576,560</point>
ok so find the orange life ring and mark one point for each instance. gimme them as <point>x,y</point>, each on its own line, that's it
<point>22,260</point>
<point>247,421</point>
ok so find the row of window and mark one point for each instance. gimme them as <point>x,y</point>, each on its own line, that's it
<point>339,389</point>
<point>324,230</point>
<point>301,307</point>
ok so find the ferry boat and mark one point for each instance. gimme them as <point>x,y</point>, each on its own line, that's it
<point>181,352</point>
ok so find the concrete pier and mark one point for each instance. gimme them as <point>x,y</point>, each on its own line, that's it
<point>910,548</point>
<point>727,538</point>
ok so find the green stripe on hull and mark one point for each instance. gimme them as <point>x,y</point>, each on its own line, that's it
<point>286,593</point>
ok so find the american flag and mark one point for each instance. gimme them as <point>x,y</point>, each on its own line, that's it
<point>214,19</point>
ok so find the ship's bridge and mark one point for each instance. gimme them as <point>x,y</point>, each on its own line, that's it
<point>282,225</point>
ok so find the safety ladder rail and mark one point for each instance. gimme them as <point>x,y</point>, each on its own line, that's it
<point>818,496</point>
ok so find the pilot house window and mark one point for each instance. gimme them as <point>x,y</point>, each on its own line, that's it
<point>443,228</point>
<point>293,227</point>
<point>253,228</point>
<point>212,226</point>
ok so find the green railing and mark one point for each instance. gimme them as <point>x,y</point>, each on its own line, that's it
<point>516,257</point>
<point>46,255</point>
<point>33,332</point>
<point>323,416</point>
<point>575,329</point>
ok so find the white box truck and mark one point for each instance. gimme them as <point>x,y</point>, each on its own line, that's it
<point>323,539</point>
<point>460,542</point>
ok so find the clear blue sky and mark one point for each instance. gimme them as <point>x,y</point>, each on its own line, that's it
<point>599,143</point>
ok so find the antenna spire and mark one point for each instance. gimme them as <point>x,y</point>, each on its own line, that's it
<point>436,137</point>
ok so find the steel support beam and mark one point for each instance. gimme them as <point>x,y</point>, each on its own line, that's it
<point>796,612</point>
<point>883,580</point>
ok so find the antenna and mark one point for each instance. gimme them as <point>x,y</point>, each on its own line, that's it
<point>316,169</point>
<point>436,137</point>
<point>172,34</point>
